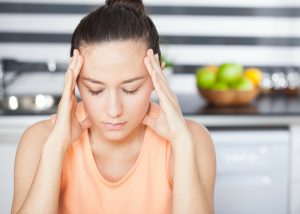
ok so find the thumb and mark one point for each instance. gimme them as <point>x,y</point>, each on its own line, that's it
<point>149,121</point>
<point>86,123</point>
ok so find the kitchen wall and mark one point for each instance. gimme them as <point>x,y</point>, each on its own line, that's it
<point>263,33</point>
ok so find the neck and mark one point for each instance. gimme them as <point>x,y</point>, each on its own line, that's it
<point>102,145</point>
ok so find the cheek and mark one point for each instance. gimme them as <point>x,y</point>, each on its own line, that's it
<point>91,103</point>
<point>138,104</point>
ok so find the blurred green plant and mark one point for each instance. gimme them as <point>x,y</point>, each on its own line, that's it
<point>166,62</point>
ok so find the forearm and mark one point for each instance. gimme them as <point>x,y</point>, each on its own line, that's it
<point>188,192</point>
<point>43,195</point>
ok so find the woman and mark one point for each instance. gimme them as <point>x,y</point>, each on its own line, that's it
<point>115,151</point>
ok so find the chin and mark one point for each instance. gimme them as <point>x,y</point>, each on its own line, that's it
<point>115,135</point>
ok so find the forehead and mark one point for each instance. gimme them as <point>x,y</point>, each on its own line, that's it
<point>115,56</point>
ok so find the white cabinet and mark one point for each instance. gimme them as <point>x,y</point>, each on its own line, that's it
<point>7,155</point>
<point>11,129</point>
<point>252,171</point>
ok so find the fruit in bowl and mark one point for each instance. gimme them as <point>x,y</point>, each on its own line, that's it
<point>205,78</point>
<point>229,84</point>
<point>229,72</point>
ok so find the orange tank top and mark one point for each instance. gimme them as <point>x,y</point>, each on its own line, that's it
<point>146,188</point>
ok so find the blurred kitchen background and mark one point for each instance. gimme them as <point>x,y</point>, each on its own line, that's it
<point>257,145</point>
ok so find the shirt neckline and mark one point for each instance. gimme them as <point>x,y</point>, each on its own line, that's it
<point>95,171</point>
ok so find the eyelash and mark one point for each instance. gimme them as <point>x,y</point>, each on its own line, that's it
<point>95,93</point>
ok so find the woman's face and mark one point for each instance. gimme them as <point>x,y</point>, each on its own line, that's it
<point>115,86</point>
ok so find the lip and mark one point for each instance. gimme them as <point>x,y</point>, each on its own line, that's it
<point>114,126</point>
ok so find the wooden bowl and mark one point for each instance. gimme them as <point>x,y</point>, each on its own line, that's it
<point>229,97</point>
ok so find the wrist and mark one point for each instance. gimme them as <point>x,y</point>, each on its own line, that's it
<point>55,145</point>
<point>184,143</point>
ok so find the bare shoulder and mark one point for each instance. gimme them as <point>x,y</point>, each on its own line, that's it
<point>36,131</point>
<point>205,155</point>
<point>27,158</point>
<point>199,132</point>
<point>34,136</point>
<point>204,147</point>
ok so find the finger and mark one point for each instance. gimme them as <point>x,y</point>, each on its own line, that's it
<point>76,72</point>
<point>154,59</point>
<point>68,86</point>
<point>172,99</point>
<point>73,68</point>
<point>79,64</point>
<point>67,91</point>
<point>162,66</point>
<point>164,100</point>
<point>160,84</point>
<point>74,60</point>
<point>165,83</point>
<point>66,98</point>
<point>153,74</point>
<point>155,63</point>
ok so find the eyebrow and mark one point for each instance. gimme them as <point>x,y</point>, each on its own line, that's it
<point>123,82</point>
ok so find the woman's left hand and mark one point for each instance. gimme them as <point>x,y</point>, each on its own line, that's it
<point>170,123</point>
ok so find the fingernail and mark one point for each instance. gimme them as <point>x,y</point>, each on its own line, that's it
<point>151,51</point>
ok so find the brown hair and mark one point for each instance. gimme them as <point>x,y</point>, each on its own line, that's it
<point>117,20</point>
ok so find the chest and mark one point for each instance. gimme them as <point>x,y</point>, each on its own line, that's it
<point>114,169</point>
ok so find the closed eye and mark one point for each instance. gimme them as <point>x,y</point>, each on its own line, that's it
<point>95,93</point>
<point>131,92</point>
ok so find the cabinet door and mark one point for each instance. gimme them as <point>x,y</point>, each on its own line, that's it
<point>9,139</point>
<point>252,171</point>
<point>11,130</point>
<point>7,155</point>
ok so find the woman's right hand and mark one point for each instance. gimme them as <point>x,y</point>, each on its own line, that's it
<point>67,128</point>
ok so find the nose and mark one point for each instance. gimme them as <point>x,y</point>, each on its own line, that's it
<point>114,105</point>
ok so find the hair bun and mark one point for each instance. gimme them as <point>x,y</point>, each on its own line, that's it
<point>135,4</point>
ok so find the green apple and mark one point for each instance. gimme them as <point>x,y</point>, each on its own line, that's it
<point>205,78</point>
<point>229,72</point>
<point>243,84</point>
<point>220,86</point>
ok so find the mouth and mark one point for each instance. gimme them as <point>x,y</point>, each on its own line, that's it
<point>114,126</point>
